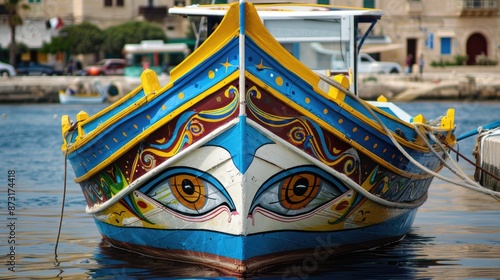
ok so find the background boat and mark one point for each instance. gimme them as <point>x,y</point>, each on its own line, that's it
<point>84,93</point>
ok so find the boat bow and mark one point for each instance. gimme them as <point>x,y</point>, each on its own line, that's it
<point>248,158</point>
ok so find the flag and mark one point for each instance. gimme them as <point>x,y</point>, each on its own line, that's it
<point>54,23</point>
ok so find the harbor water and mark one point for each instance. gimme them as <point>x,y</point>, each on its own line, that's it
<point>456,234</point>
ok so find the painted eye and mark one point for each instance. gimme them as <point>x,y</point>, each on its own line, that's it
<point>188,191</point>
<point>296,192</point>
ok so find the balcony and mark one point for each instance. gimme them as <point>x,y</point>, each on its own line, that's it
<point>477,8</point>
<point>152,13</point>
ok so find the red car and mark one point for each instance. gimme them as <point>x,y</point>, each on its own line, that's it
<point>110,66</point>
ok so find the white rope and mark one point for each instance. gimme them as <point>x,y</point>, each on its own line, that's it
<point>384,202</point>
<point>470,184</point>
<point>474,186</point>
<point>341,176</point>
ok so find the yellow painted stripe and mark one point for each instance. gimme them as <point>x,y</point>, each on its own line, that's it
<point>264,40</point>
<point>234,76</point>
<point>126,111</point>
<point>334,131</point>
<point>226,31</point>
<point>218,39</point>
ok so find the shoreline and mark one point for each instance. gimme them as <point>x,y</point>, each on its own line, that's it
<point>459,83</point>
<point>44,89</point>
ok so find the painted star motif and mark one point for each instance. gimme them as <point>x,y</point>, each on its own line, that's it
<point>261,66</point>
<point>226,64</point>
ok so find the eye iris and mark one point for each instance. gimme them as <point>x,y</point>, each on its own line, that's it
<point>298,190</point>
<point>189,191</point>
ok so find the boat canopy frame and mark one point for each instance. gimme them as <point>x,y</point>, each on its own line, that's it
<point>319,24</point>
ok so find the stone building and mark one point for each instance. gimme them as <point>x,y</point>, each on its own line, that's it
<point>103,13</point>
<point>447,31</point>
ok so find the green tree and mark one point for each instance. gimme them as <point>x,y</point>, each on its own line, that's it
<point>83,38</point>
<point>14,20</point>
<point>115,37</point>
<point>56,45</point>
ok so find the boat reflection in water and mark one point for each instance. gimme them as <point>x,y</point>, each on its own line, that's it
<point>407,256</point>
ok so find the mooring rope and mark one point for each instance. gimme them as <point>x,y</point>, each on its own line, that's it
<point>350,183</point>
<point>470,184</point>
<point>457,170</point>
<point>473,163</point>
<point>63,201</point>
<point>72,130</point>
<point>388,133</point>
<point>475,186</point>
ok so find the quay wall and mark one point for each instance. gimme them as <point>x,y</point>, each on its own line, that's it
<point>480,83</point>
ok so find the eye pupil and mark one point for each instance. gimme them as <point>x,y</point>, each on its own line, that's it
<point>187,186</point>
<point>300,187</point>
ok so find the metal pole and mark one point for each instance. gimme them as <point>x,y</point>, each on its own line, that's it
<point>242,58</point>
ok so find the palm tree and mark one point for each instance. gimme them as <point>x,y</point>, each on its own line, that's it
<point>14,20</point>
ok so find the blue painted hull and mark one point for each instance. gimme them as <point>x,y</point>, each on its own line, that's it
<point>224,251</point>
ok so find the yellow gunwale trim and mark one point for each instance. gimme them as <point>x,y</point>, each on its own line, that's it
<point>212,45</point>
<point>225,32</point>
<point>376,125</point>
<point>113,119</point>
<point>125,148</point>
<point>220,37</point>
<point>337,133</point>
<point>268,44</point>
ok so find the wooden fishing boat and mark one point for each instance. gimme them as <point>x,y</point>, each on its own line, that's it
<point>247,158</point>
<point>80,98</point>
<point>79,93</point>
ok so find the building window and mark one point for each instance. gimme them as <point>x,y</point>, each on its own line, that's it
<point>445,45</point>
<point>109,3</point>
<point>369,4</point>
<point>480,4</point>
<point>34,1</point>
<point>324,2</point>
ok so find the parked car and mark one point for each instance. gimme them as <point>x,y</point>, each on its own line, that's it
<point>34,68</point>
<point>109,66</point>
<point>366,64</point>
<point>7,69</point>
